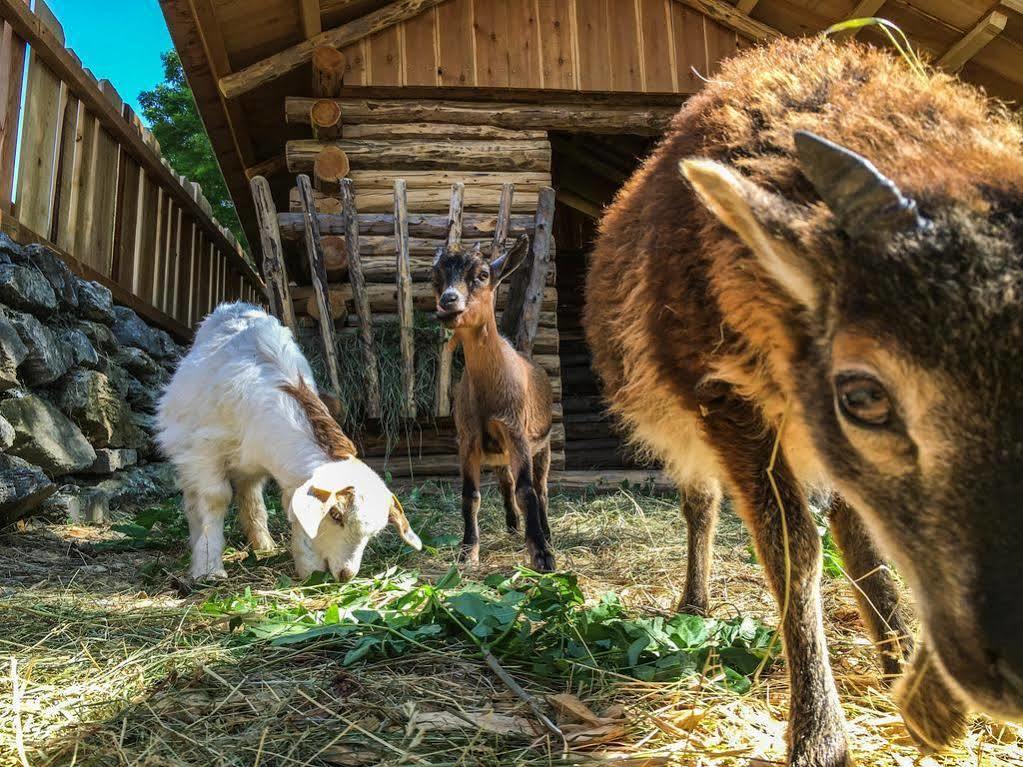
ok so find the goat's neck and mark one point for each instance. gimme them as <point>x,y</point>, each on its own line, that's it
<point>295,460</point>
<point>483,348</point>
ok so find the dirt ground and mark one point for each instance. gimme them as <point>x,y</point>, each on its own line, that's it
<point>109,658</point>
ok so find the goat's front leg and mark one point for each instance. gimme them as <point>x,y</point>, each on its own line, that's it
<point>470,550</point>
<point>700,508</point>
<point>789,546</point>
<point>540,555</point>
<point>541,469</point>
<point>874,586</point>
<point>206,506</point>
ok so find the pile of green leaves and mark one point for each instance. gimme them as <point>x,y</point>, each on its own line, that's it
<point>157,527</point>
<point>539,622</point>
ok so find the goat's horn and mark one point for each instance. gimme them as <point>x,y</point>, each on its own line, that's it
<point>862,198</point>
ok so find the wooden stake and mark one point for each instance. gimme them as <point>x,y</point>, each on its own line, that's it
<point>328,71</point>
<point>331,165</point>
<point>325,117</point>
<point>522,313</point>
<point>405,318</point>
<point>361,299</point>
<point>273,254</point>
<point>319,278</point>
<point>447,352</point>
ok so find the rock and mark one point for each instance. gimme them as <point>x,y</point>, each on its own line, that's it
<point>88,398</point>
<point>132,330</point>
<point>95,302</point>
<point>82,351</point>
<point>81,506</point>
<point>26,288</point>
<point>44,436</point>
<point>139,485</point>
<point>56,273</point>
<point>110,460</point>
<point>23,487</point>
<point>141,365</point>
<point>100,336</point>
<point>48,357</point>
<point>119,377</point>
<point>148,447</point>
<point>12,353</point>
<point>10,250</point>
<point>6,434</point>
<point>142,397</point>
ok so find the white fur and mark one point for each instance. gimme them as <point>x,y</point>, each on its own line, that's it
<point>224,419</point>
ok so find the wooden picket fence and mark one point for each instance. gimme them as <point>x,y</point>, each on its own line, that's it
<point>91,184</point>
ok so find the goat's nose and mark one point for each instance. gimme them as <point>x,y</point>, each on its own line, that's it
<point>449,299</point>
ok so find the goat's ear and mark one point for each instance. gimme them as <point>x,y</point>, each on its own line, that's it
<point>754,215</point>
<point>311,503</point>
<point>396,516</point>
<point>510,260</point>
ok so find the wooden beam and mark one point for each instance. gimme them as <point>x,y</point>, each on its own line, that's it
<point>268,167</point>
<point>403,276</point>
<point>476,225</point>
<point>309,13</point>
<point>865,9</point>
<point>64,65</point>
<point>525,310</point>
<point>574,201</point>
<point>410,154</point>
<point>272,67</point>
<point>733,18</point>
<point>745,6</point>
<point>329,66</point>
<point>273,254</point>
<point>971,44</point>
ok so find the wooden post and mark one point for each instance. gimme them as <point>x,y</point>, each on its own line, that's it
<point>325,117</point>
<point>360,298</point>
<point>405,318</point>
<point>522,311</point>
<point>447,352</point>
<point>274,272</point>
<point>319,278</point>
<point>328,71</point>
<point>330,166</point>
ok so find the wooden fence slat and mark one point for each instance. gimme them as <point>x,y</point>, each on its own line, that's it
<point>403,272</point>
<point>12,74</point>
<point>361,300</point>
<point>65,200</point>
<point>274,271</point>
<point>319,278</point>
<point>447,352</point>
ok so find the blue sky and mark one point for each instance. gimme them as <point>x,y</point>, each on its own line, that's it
<point>119,40</point>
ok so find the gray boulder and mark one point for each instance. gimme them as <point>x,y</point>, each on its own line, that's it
<point>109,460</point>
<point>6,434</point>
<point>10,250</point>
<point>132,330</point>
<point>48,356</point>
<point>95,302</point>
<point>88,398</point>
<point>142,397</point>
<point>100,336</point>
<point>26,288</point>
<point>119,378</point>
<point>82,351</point>
<point>12,353</point>
<point>148,447</point>
<point>137,486</point>
<point>141,365</point>
<point>44,436</point>
<point>56,273</point>
<point>23,487</point>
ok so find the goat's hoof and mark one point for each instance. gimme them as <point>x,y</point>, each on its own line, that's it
<point>218,574</point>
<point>693,606</point>
<point>263,544</point>
<point>469,554</point>
<point>824,748</point>
<point>933,715</point>
<point>542,561</point>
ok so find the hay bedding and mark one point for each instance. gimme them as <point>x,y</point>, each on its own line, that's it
<point>107,660</point>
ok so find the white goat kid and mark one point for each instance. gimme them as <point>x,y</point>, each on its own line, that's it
<point>242,406</point>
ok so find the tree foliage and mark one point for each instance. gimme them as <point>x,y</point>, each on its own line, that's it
<point>174,120</point>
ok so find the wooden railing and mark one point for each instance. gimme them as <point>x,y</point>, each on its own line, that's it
<point>91,184</point>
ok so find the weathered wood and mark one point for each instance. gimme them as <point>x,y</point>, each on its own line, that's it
<point>863,10</point>
<point>309,15</point>
<point>403,276</point>
<point>733,18</point>
<point>319,279</point>
<point>274,270</point>
<point>251,77</point>
<point>447,353</point>
<point>335,255</point>
<point>503,220</point>
<point>328,71</point>
<point>423,225</point>
<point>361,299</point>
<point>412,154</point>
<point>325,119</point>
<point>268,167</point>
<point>382,295</point>
<point>592,118</point>
<point>579,203</point>
<point>12,67</point>
<point>432,130</point>
<point>971,44</point>
<point>525,299</point>
<point>330,166</point>
<point>745,6</point>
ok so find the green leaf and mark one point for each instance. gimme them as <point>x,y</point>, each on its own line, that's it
<point>637,647</point>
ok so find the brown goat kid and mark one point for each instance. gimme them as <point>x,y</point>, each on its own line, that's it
<point>502,402</point>
<point>828,296</point>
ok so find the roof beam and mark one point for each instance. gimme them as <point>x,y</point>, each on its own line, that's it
<point>733,18</point>
<point>973,41</point>
<point>269,69</point>
<point>745,6</point>
<point>309,13</point>
<point>864,9</point>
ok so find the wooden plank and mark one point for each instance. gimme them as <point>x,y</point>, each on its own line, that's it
<point>371,376</point>
<point>384,58</point>
<point>439,131</point>
<point>309,14</point>
<point>594,45</point>
<point>687,28</point>
<point>721,44</point>
<point>371,154</point>
<point>864,9</point>
<point>103,197</point>
<point>442,406</point>
<point>124,252</point>
<point>84,184</point>
<point>420,224</point>
<point>12,75</point>
<point>423,199</point>
<point>274,269</point>
<point>971,44</point>
<point>555,29</point>
<point>419,51</point>
<point>745,6</point>
<point>659,73</point>
<point>490,32</point>
<point>526,292</point>
<point>626,49</point>
<point>590,117</point>
<point>272,67</point>
<point>65,204</point>
<point>522,41</point>
<point>146,233</point>
<point>403,278</point>
<point>731,17</point>
<point>183,285</point>
<point>457,62</point>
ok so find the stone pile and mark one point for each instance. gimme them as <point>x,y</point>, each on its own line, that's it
<point>80,379</point>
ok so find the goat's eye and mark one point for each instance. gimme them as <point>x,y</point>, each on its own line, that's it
<point>863,399</point>
<point>483,276</point>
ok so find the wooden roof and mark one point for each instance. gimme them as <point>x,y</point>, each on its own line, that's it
<point>628,51</point>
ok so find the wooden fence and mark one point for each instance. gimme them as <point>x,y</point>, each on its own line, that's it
<point>91,184</point>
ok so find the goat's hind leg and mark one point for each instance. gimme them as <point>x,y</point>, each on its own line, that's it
<point>252,513</point>
<point>205,507</point>
<point>700,508</point>
<point>540,554</point>
<point>541,470</point>
<point>511,510</point>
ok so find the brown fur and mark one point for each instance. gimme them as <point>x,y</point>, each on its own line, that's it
<point>502,405</point>
<point>706,353</point>
<point>326,431</point>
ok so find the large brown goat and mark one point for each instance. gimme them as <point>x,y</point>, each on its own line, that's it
<point>502,403</point>
<point>827,294</point>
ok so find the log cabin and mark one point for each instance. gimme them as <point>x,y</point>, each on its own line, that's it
<point>420,121</point>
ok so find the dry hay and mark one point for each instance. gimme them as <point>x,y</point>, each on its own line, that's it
<point>106,662</point>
